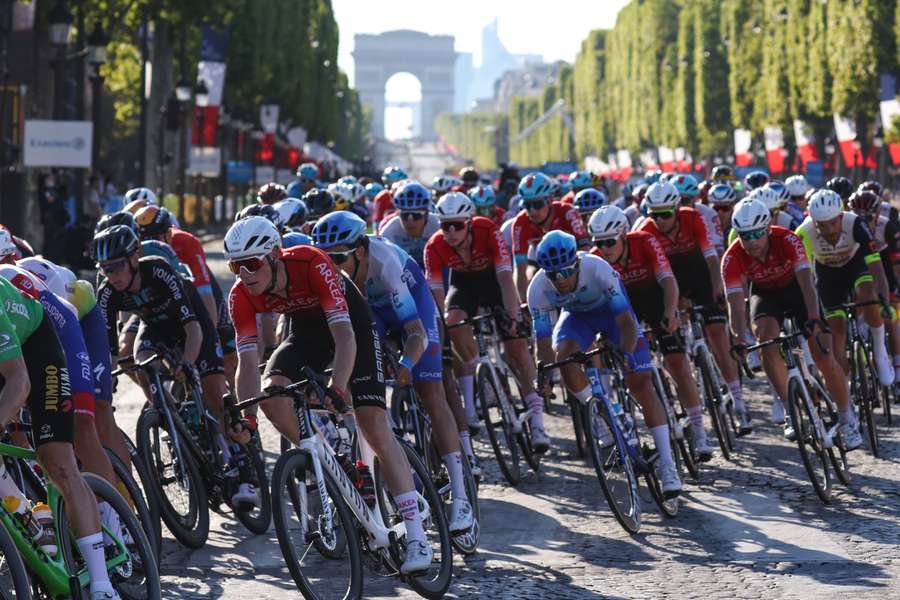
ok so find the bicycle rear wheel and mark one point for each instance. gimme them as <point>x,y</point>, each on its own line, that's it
<point>14,583</point>
<point>612,463</point>
<point>257,520</point>
<point>865,393</point>
<point>324,561</point>
<point>808,441</point>
<point>467,542</point>
<point>149,521</point>
<point>836,454</point>
<point>712,398</point>
<point>500,432</point>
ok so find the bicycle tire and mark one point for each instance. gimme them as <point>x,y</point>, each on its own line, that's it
<point>837,455</point>
<point>139,544</point>
<point>144,481</point>
<point>257,521</point>
<point>14,581</point>
<point>149,521</point>
<point>888,395</point>
<point>290,469</point>
<point>866,383</point>
<point>605,459</point>
<point>500,434</point>
<point>467,542</point>
<point>811,451</point>
<point>517,401</point>
<point>712,399</point>
<point>192,527</point>
<point>575,413</point>
<point>682,446</point>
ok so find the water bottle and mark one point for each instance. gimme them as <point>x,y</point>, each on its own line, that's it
<point>44,516</point>
<point>190,415</point>
<point>366,485</point>
<point>26,517</point>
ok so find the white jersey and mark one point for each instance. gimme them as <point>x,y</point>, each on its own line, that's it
<point>388,282</point>
<point>711,218</point>
<point>393,230</point>
<point>506,231</point>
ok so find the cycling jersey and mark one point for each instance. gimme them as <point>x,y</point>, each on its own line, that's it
<point>487,250</point>
<point>713,225</point>
<point>886,234</point>
<point>795,211</point>
<point>784,259</point>
<point>383,203</point>
<point>393,230</point>
<point>165,251</point>
<point>692,235</point>
<point>21,314</point>
<point>785,219</point>
<point>645,263</point>
<point>888,211</point>
<point>562,217</point>
<point>854,234</point>
<point>190,252</point>
<point>497,215</point>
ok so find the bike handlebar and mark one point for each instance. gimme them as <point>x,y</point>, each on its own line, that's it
<point>313,379</point>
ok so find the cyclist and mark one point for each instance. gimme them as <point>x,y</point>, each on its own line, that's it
<point>721,198</point>
<point>479,265</point>
<point>578,180</point>
<point>797,187</point>
<point>773,262</point>
<point>687,243</point>
<point>34,372</point>
<point>442,184</point>
<point>591,300</point>
<point>140,194</point>
<point>292,212</point>
<point>755,179</point>
<point>587,201</point>
<point>689,190</point>
<point>307,176</point>
<point>780,216</point>
<point>384,202</point>
<point>644,270</point>
<point>414,224</point>
<point>633,210</point>
<point>329,322</point>
<point>484,199</point>
<point>886,209</point>
<point>846,263</point>
<point>398,294</point>
<point>841,186</point>
<point>469,178</point>
<point>270,193</point>
<point>722,174</point>
<point>320,203</point>
<point>539,216</point>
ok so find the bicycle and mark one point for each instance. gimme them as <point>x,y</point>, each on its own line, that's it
<point>609,424</point>
<point>813,414</point>
<point>506,417</point>
<point>129,556</point>
<point>14,581</point>
<point>331,517</point>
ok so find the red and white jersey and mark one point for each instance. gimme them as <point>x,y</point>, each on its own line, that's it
<point>488,251</point>
<point>562,217</point>
<point>645,265</point>
<point>785,257</point>
<point>691,235</point>
<point>189,250</point>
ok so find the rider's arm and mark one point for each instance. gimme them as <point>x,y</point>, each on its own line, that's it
<point>628,331</point>
<point>735,285</point>
<point>16,387</point>
<point>243,314</point>
<point>541,310</point>
<point>344,353</point>
<point>810,296</point>
<point>868,245</point>
<point>193,339</point>
<point>707,247</point>
<point>416,341</point>
<point>521,277</point>
<point>510,294</point>
<point>434,273</point>
<point>209,301</point>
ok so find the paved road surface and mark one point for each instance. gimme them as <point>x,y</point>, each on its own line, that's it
<point>752,528</point>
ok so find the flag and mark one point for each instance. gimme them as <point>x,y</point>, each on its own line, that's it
<point>806,142</point>
<point>211,71</point>
<point>666,159</point>
<point>774,139</point>
<point>743,140</point>
<point>648,161</point>
<point>623,159</point>
<point>890,110</point>
<point>845,130</point>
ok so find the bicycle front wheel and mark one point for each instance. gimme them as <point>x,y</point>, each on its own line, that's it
<point>467,542</point>
<point>809,443</point>
<point>320,543</point>
<point>257,520</point>
<point>828,409</point>
<point>615,471</point>
<point>14,584</point>
<point>866,390</point>
<point>712,397</point>
<point>499,429</point>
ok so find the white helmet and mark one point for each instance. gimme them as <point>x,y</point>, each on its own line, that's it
<point>454,206</point>
<point>46,272</point>
<point>251,237</point>
<point>339,191</point>
<point>750,214</point>
<point>7,246</point>
<point>358,191</point>
<point>767,196</point>
<point>140,193</point>
<point>607,222</point>
<point>444,183</point>
<point>825,205</point>
<point>796,186</point>
<point>662,195</point>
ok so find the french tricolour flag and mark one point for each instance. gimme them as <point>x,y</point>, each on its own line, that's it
<point>743,140</point>
<point>890,110</point>
<point>806,142</point>
<point>774,138</point>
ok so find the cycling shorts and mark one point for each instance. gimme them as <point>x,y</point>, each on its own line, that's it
<point>480,289</point>
<point>309,343</point>
<point>93,329</point>
<point>649,307</point>
<point>50,401</point>
<point>78,361</point>
<point>692,274</point>
<point>779,303</point>
<point>583,327</point>
<point>835,284</point>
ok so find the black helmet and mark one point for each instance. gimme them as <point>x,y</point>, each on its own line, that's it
<point>841,186</point>
<point>152,221</point>
<point>722,173</point>
<point>271,193</point>
<point>119,218</point>
<point>260,210</point>
<point>119,241</point>
<point>872,186</point>
<point>319,202</point>
<point>756,179</point>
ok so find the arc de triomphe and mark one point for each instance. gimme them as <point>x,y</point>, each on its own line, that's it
<point>431,58</point>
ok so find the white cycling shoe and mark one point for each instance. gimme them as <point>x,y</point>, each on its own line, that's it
<point>540,441</point>
<point>702,448</point>
<point>850,435</point>
<point>669,480</point>
<point>884,368</point>
<point>462,517</point>
<point>418,558</point>
<point>246,497</point>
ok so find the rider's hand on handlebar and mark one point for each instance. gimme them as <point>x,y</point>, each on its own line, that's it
<point>343,394</point>
<point>403,377</point>
<point>670,320</point>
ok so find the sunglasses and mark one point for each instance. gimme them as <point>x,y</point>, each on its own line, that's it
<point>607,243</point>
<point>562,273</point>
<point>722,207</point>
<point>252,265</point>
<point>534,204</point>
<point>749,236</point>
<point>453,225</point>
<point>113,267</point>
<point>340,258</point>
<point>662,214</point>
<point>412,215</point>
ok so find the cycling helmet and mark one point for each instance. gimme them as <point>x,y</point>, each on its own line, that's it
<point>750,214</point>
<point>756,179</point>
<point>454,206</point>
<point>840,185</point>
<point>652,177</point>
<point>271,193</point>
<point>373,189</point>
<point>319,202</point>
<point>136,205</point>
<point>413,196</point>
<point>295,238</point>
<point>722,173</point>
<point>628,190</point>
<point>260,210</point>
<point>483,196</point>
<point>7,246</point>
<point>767,196</point>
<point>308,171</point>
<point>119,241</point>
<point>254,236</point>
<point>555,188</point>
<point>686,185</point>
<point>864,201</point>
<point>357,192</point>
<point>721,194</point>
<point>607,222</point>
<point>347,180</point>
<point>667,176</point>
<point>392,174</point>
<point>153,220</point>
<point>780,189</point>
<point>342,228</point>
<point>119,218</point>
<point>872,186</point>
<point>581,180</point>
<point>640,191</point>
<point>825,205</point>
<point>292,212</point>
<point>140,193</point>
<point>444,183</point>
<point>588,200</point>
<point>469,176</point>
<point>342,196</point>
<point>796,186</point>
<point>557,250</point>
<point>662,195</point>
<point>535,186</point>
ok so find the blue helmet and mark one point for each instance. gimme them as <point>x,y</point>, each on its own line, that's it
<point>308,171</point>
<point>482,196</point>
<point>588,200</point>
<point>413,196</point>
<point>393,175</point>
<point>652,177</point>
<point>780,189</point>
<point>557,250</point>
<point>535,186</point>
<point>295,238</point>
<point>756,179</point>
<point>581,179</point>
<point>686,185</point>
<point>341,228</point>
<point>721,194</point>
<point>373,189</point>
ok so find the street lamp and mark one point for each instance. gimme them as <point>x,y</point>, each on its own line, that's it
<point>183,90</point>
<point>96,52</point>
<point>201,94</point>
<point>60,27</point>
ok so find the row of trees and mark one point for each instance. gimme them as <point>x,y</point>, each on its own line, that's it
<point>688,72</point>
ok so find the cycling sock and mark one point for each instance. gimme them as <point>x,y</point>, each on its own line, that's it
<point>465,441</point>
<point>408,503</point>
<point>695,414</point>
<point>663,445</point>
<point>878,340</point>
<point>845,417</point>
<point>91,547</point>
<point>584,395</point>
<point>536,405</point>
<point>738,394</point>
<point>453,462</point>
<point>467,383</point>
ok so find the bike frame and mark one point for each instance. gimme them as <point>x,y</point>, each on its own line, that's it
<point>490,354</point>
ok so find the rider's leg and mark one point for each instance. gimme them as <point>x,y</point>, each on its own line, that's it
<point>720,344</point>
<point>280,410</point>
<point>766,328</point>
<point>522,362</point>
<point>462,340</point>
<point>640,385</point>
<point>823,353</point>
<point>678,366</point>
<point>865,292</point>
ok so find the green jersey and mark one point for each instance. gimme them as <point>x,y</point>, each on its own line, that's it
<point>20,316</point>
